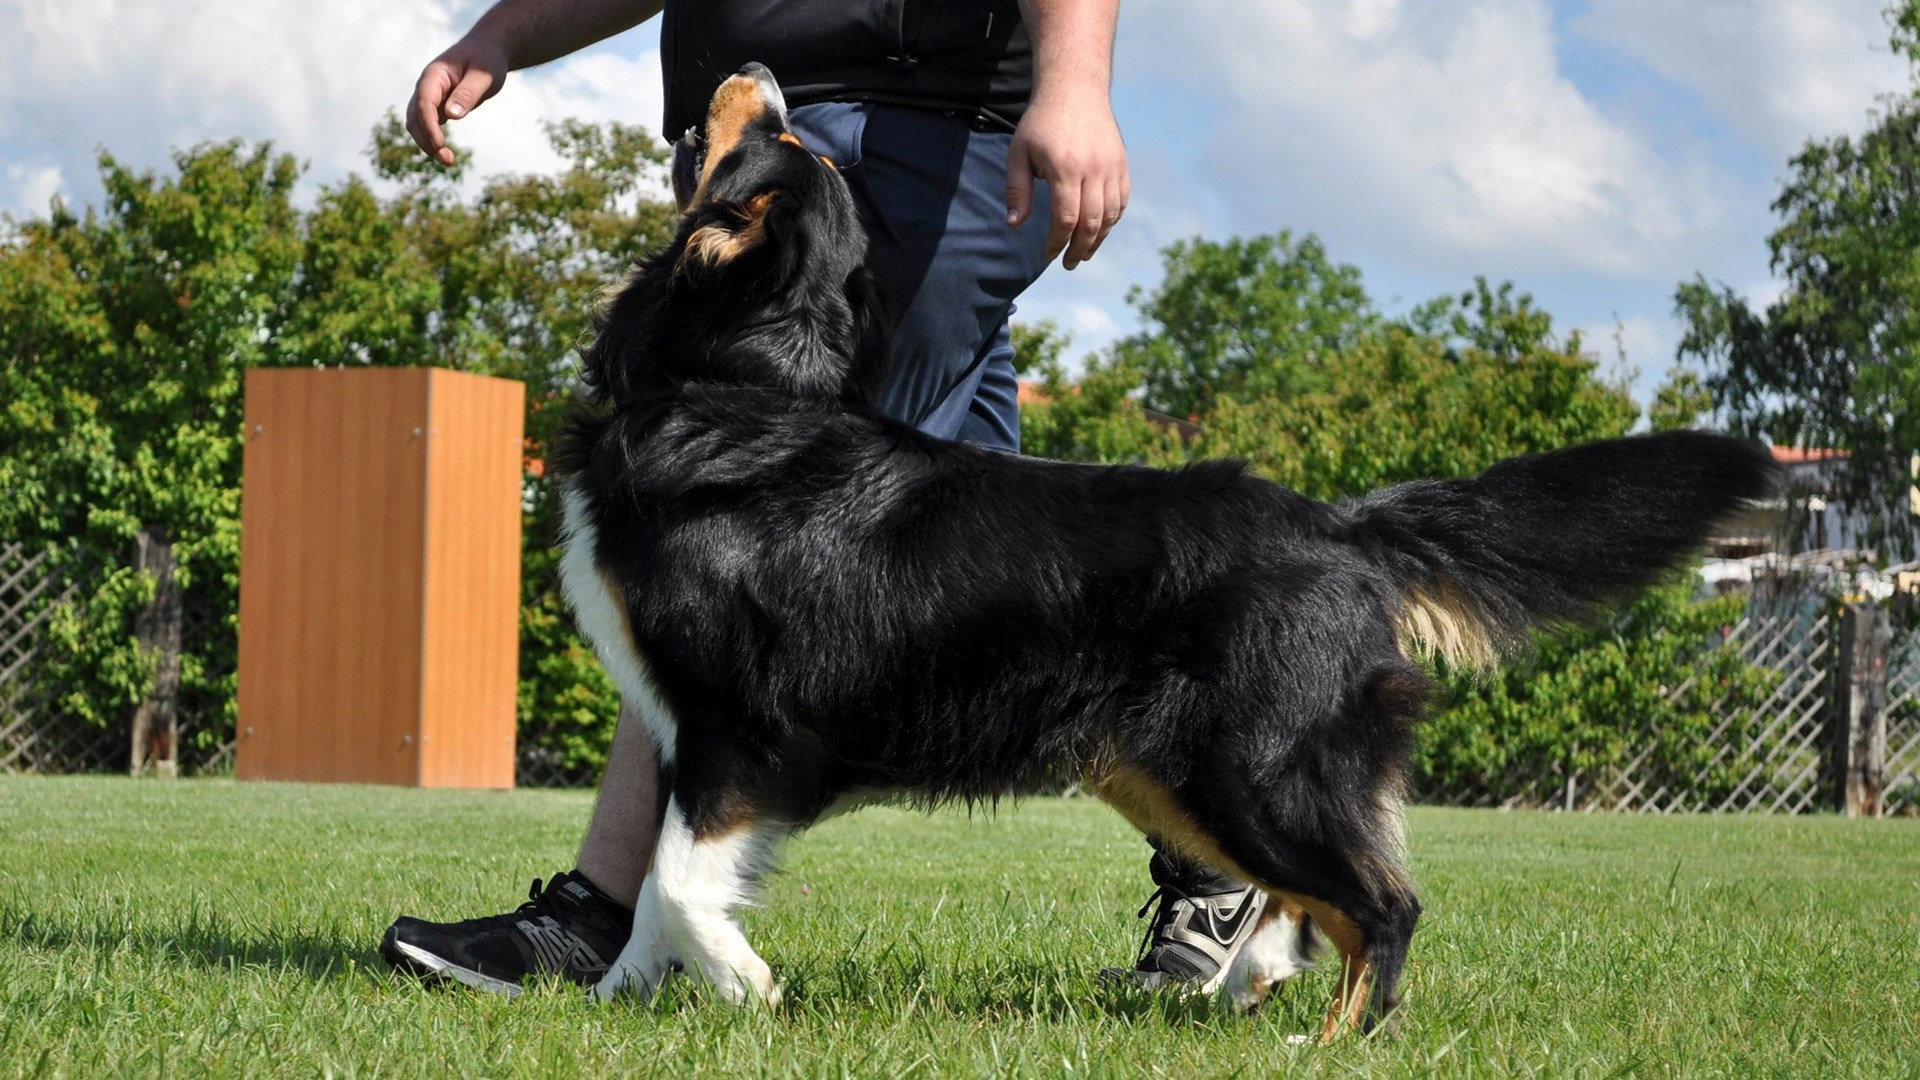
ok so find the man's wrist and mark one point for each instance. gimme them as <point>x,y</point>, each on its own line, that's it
<point>1075,93</point>
<point>489,43</point>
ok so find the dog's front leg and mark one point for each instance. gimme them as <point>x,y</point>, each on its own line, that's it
<point>646,961</point>
<point>686,911</point>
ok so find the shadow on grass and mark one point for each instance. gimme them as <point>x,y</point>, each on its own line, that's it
<point>1014,990</point>
<point>200,938</point>
<point>823,987</point>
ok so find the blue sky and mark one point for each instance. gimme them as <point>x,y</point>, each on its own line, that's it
<point>1596,152</point>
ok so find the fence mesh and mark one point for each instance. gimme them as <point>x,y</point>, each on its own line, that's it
<point>35,736</point>
<point>1902,795</point>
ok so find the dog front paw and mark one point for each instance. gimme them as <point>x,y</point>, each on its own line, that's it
<point>640,970</point>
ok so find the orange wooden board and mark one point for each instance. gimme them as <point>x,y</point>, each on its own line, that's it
<point>474,472</point>
<point>379,577</point>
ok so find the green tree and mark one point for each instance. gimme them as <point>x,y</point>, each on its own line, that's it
<point>1356,402</point>
<point>1243,316</point>
<point>1835,361</point>
<point>124,335</point>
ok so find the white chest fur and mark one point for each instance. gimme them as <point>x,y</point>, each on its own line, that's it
<point>602,619</point>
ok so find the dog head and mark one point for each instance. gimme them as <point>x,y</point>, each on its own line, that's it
<point>764,283</point>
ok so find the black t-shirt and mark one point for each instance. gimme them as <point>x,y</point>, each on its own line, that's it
<point>971,56</point>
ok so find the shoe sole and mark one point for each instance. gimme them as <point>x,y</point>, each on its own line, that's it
<point>1129,977</point>
<point>430,968</point>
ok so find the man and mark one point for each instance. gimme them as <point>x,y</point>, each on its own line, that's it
<point>941,116</point>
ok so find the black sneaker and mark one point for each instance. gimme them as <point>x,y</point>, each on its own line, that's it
<point>569,929</point>
<point>1191,943</point>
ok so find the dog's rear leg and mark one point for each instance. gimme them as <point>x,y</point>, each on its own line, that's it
<point>1346,875</point>
<point>1361,900</point>
<point>1373,952</point>
<point>686,910</point>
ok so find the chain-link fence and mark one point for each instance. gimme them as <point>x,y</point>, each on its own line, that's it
<point>36,734</point>
<point>1790,753</point>
<point>537,766</point>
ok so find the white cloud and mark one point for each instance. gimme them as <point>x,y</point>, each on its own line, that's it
<point>1639,344</point>
<point>1443,132</point>
<point>1779,71</point>
<point>29,189</point>
<point>139,79</point>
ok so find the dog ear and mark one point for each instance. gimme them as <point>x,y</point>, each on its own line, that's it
<point>738,230</point>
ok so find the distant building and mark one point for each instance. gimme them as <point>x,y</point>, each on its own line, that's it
<point>1811,516</point>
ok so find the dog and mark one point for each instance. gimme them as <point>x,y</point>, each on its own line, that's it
<point>812,606</point>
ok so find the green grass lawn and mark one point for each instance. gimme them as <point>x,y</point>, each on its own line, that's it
<point>208,926</point>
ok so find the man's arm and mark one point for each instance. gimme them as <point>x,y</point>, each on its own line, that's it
<point>513,34</point>
<point>1068,136</point>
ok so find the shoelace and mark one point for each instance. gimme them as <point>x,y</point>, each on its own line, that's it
<point>1166,896</point>
<point>540,900</point>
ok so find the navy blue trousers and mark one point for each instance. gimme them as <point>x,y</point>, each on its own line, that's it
<point>931,190</point>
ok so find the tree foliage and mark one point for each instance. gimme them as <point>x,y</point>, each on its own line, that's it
<point>1242,317</point>
<point>125,333</point>
<point>1835,360</point>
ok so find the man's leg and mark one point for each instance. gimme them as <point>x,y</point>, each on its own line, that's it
<point>618,847</point>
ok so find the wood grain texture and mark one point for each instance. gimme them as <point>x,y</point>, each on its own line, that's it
<point>333,527</point>
<point>472,609</point>
<point>379,577</point>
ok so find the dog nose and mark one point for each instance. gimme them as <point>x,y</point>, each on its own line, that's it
<point>753,69</point>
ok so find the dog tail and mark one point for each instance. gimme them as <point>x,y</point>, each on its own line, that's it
<point>1551,538</point>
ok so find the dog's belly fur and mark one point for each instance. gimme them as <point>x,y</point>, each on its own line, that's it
<point>602,619</point>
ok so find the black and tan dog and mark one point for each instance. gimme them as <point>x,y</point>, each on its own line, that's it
<point>814,606</point>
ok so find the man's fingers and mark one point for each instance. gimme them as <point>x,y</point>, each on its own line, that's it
<point>471,91</point>
<point>1019,183</point>
<point>423,115</point>
<point>1090,223</point>
<point>1115,205</point>
<point>1066,214</point>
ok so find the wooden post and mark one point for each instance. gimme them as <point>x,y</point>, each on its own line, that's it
<point>380,577</point>
<point>1860,710</point>
<point>156,721</point>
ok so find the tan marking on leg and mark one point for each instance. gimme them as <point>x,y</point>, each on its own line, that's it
<point>1153,810</point>
<point>1356,972</point>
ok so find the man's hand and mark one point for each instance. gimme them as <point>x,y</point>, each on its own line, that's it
<point>451,86</point>
<point>1073,143</point>
<point>1068,136</point>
